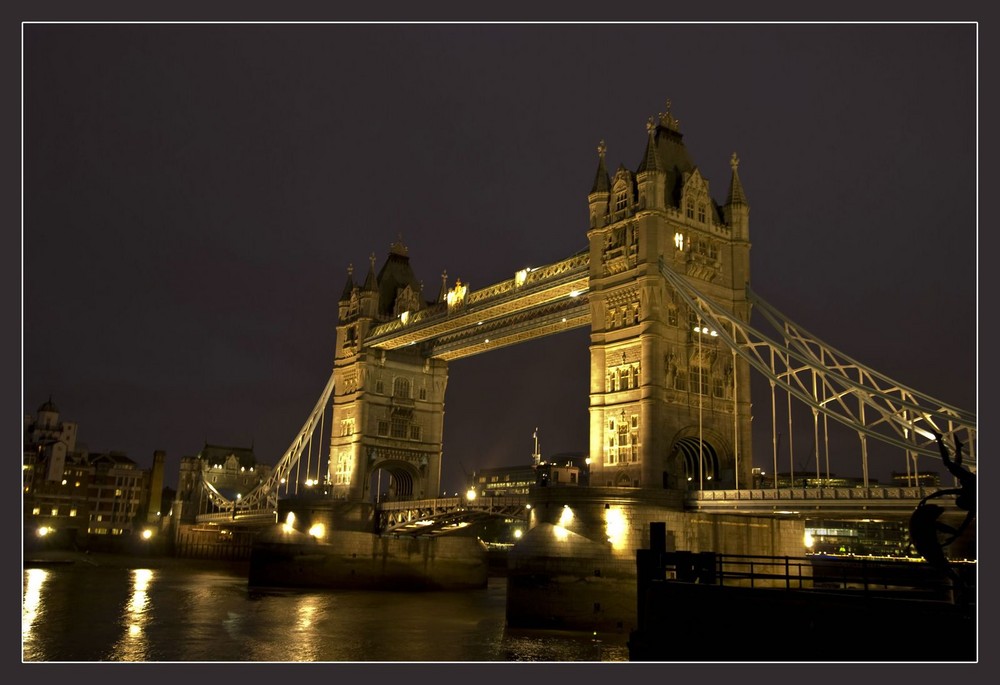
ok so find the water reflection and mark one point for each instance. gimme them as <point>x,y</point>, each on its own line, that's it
<point>32,610</point>
<point>134,644</point>
<point>88,613</point>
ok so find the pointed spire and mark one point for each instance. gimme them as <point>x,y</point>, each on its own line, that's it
<point>370,278</point>
<point>443,296</point>
<point>736,195</point>
<point>349,286</point>
<point>602,182</point>
<point>650,161</point>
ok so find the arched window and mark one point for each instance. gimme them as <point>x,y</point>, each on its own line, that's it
<point>401,388</point>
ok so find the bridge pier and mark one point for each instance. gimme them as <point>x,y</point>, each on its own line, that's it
<point>575,568</point>
<point>323,543</point>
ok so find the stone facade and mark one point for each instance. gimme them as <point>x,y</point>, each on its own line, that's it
<point>669,404</point>
<point>388,405</point>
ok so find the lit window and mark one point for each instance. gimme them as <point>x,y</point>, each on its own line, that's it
<point>72,512</point>
<point>55,511</point>
<point>679,240</point>
<point>36,511</point>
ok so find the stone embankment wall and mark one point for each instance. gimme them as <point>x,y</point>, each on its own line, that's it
<point>576,566</point>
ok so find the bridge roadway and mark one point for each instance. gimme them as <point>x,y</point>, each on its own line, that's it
<point>439,516</point>
<point>823,502</point>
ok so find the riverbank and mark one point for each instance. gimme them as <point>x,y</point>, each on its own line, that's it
<point>53,557</point>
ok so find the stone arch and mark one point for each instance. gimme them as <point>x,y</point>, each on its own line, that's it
<point>683,459</point>
<point>396,482</point>
<point>623,480</point>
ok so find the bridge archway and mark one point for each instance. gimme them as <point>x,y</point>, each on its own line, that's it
<point>687,452</point>
<point>390,480</point>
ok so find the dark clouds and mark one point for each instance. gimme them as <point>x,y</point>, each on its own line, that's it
<point>193,195</point>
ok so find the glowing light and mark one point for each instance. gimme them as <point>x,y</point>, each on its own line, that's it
<point>317,530</point>
<point>289,525</point>
<point>147,533</point>
<point>574,293</point>
<point>561,533</point>
<point>517,533</point>
<point>614,521</point>
<point>43,531</point>
<point>566,517</point>
<point>808,540</point>
<point>471,494</point>
<point>404,317</point>
<point>520,277</point>
<point>64,481</point>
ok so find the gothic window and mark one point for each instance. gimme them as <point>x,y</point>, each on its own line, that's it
<point>699,380</point>
<point>398,427</point>
<point>701,213</point>
<point>718,389</point>
<point>414,432</point>
<point>401,388</point>
<point>423,393</point>
<point>689,206</point>
<point>621,200</point>
<point>383,428</point>
<point>347,427</point>
<point>379,387</point>
<point>623,378</point>
<point>672,316</point>
<point>624,443</point>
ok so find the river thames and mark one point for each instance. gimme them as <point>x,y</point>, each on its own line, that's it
<point>98,609</point>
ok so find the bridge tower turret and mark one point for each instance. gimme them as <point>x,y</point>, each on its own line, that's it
<point>669,404</point>
<point>600,192</point>
<point>388,405</point>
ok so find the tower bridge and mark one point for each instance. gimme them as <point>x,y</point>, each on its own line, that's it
<point>676,333</point>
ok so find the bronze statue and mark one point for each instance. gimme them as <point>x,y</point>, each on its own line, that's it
<point>926,528</point>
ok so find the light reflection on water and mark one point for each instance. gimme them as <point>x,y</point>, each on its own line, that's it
<point>82,612</point>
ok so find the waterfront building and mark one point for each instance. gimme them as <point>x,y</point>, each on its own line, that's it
<point>72,495</point>
<point>918,479</point>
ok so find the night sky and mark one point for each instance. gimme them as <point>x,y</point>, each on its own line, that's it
<point>193,196</point>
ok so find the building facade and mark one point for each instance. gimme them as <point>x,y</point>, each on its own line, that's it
<point>76,495</point>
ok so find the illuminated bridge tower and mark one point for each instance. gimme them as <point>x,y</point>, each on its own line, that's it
<point>388,405</point>
<point>669,403</point>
